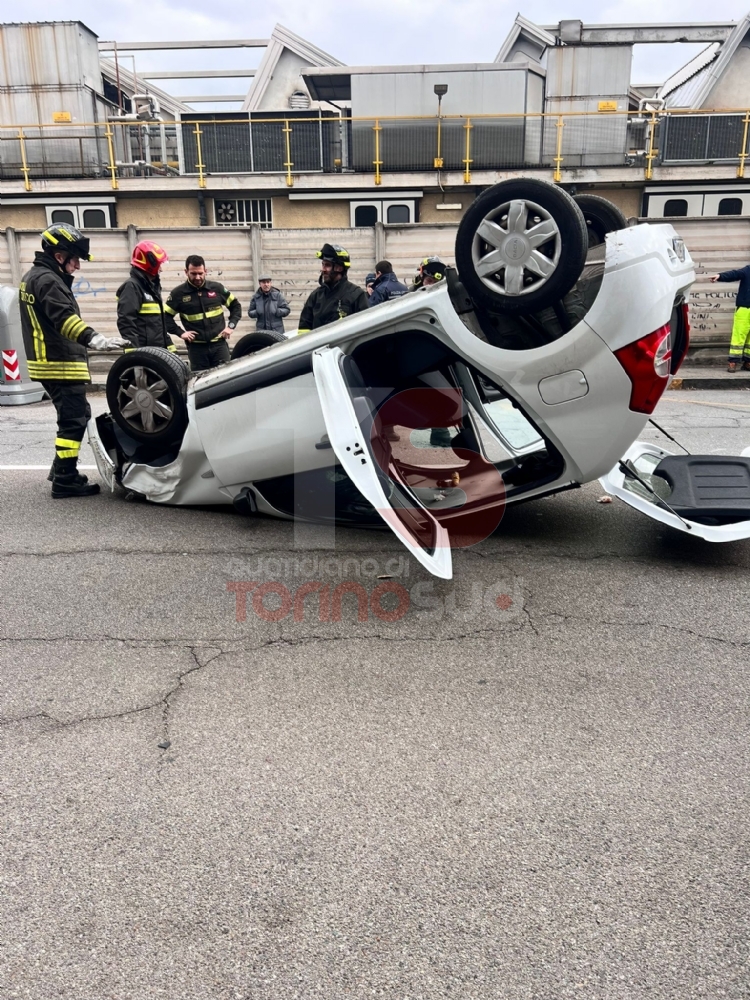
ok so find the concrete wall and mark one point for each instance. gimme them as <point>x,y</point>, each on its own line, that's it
<point>157,212</point>
<point>285,80</point>
<point>310,214</point>
<point>733,90</point>
<point>429,213</point>
<point>23,217</point>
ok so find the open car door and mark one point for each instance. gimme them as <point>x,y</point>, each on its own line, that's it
<point>348,431</point>
<point>703,495</point>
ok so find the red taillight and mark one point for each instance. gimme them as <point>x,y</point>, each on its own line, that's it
<point>647,363</point>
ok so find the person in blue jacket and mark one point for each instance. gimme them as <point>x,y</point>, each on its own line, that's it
<point>739,349</point>
<point>386,285</point>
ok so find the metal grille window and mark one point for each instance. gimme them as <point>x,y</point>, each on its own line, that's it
<point>243,212</point>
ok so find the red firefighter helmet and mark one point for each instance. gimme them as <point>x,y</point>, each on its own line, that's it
<point>149,257</point>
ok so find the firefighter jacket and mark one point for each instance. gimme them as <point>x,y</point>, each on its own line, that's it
<point>201,310</point>
<point>330,303</point>
<point>140,312</point>
<point>54,335</point>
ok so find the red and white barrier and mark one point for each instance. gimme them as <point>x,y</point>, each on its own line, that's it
<point>11,367</point>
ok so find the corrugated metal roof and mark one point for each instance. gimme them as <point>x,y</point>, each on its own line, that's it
<point>685,83</point>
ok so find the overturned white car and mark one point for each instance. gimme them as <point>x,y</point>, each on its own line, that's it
<point>532,369</point>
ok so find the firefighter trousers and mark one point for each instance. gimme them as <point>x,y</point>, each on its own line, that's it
<point>203,356</point>
<point>739,349</point>
<point>73,413</point>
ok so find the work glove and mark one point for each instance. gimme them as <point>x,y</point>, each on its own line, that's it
<point>101,343</point>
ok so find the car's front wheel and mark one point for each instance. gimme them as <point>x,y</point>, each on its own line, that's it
<point>521,246</point>
<point>146,392</point>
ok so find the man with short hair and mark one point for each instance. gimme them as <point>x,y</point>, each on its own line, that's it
<point>337,297</point>
<point>55,339</point>
<point>386,285</point>
<point>268,307</point>
<point>200,305</point>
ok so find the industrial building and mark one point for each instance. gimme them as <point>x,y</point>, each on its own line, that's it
<point>395,153</point>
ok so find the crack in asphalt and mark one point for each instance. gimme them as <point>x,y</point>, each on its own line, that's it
<point>645,624</point>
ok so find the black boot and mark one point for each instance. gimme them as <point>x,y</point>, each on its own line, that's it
<point>67,481</point>
<point>79,475</point>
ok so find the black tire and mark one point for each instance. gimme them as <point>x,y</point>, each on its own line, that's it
<point>601,217</point>
<point>151,417</point>
<point>253,342</point>
<point>519,286</point>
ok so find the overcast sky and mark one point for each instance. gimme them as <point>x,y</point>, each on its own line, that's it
<point>362,33</point>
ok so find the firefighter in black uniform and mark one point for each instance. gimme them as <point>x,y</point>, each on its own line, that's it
<point>200,305</point>
<point>140,311</point>
<point>337,297</point>
<point>56,338</point>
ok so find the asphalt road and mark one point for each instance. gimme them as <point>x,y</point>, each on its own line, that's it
<point>534,784</point>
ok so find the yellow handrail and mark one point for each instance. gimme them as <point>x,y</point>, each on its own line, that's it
<point>287,130</point>
<point>24,164</point>
<point>377,161</point>
<point>467,160</point>
<point>200,164</point>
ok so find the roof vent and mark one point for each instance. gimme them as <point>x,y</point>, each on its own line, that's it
<point>299,101</point>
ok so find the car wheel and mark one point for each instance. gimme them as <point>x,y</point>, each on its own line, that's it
<point>146,395</point>
<point>601,217</point>
<point>521,246</point>
<point>253,342</point>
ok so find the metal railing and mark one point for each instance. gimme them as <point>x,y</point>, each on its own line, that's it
<point>291,144</point>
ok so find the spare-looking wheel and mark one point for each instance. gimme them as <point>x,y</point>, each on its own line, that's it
<point>521,246</point>
<point>253,342</point>
<point>601,217</point>
<point>146,392</point>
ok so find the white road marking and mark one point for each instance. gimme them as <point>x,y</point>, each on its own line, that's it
<point>20,468</point>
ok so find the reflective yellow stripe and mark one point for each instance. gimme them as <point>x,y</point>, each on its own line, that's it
<point>198,316</point>
<point>150,308</point>
<point>47,235</point>
<point>40,348</point>
<point>73,327</point>
<point>67,449</point>
<point>170,310</point>
<point>59,370</point>
<point>230,299</point>
<point>303,331</point>
<point>171,347</point>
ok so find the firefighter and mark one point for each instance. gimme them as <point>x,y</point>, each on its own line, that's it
<point>140,310</point>
<point>200,305</point>
<point>337,297</point>
<point>56,338</point>
<point>430,271</point>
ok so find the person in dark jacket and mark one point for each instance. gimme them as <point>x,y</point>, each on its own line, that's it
<point>140,309</point>
<point>386,285</point>
<point>268,307</point>
<point>55,339</point>
<point>337,297</point>
<point>200,304</point>
<point>739,349</point>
